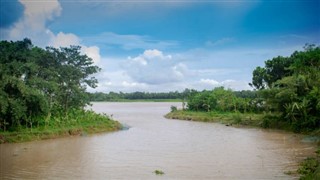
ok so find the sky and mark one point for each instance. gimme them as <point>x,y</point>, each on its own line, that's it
<point>170,45</point>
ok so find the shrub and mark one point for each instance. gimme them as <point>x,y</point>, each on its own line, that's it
<point>174,108</point>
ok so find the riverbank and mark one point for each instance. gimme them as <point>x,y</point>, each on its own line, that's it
<point>227,118</point>
<point>237,119</point>
<point>75,123</point>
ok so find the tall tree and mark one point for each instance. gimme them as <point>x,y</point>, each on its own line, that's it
<point>36,82</point>
<point>275,69</point>
<point>293,88</point>
<point>73,75</point>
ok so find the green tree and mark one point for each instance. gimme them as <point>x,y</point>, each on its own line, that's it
<point>218,99</point>
<point>258,78</point>
<point>37,82</point>
<point>293,88</point>
<point>274,70</point>
<point>20,98</point>
<point>72,75</point>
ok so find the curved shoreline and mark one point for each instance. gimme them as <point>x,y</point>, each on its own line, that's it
<point>82,128</point>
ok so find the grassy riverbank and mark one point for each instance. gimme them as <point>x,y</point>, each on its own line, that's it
<point>237,119</point>
<point>228,118</point>
<point>310,167</point>
<point>77,122</point>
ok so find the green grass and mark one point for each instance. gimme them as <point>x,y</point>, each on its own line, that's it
<point>228,118</point>
<point>309,169</point>
<point>77,122</point>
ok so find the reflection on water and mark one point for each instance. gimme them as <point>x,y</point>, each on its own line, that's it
<point>182,149</point>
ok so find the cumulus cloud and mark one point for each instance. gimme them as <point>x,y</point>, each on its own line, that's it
<point>33,22</point>
<point>33,25</point>
<point>119,82</point>
<point>210,82</point>
<point>229,84</point>
<point>154,67</point>
<point>153,64</point>
<point>68,39</point>
<point>64,40</point>
<point>93,52</point>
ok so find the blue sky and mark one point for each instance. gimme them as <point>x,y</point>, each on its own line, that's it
<point>167,45</point>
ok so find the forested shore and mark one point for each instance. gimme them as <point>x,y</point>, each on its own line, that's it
<point>286,96</point>
<point>286,91</point>
<point>43,93</point>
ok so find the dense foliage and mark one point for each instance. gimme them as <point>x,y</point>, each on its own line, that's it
<point>222,100</point>
<point>37,83</point>
<point>287,90</point>
<point>293,88</point>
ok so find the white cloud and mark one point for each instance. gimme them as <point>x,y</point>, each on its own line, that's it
<point>116,78</point>
<point>210,82</point>
<point>154,53</point>
<point>33,22</point>
<point>33,25</point>
<point>236,85</point>
<point>156,71</point>
<point>64,40</point>
<point>92,52</point>
<point>41,10</point>
<point>153,67</point>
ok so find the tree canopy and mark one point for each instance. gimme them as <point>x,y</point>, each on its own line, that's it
<point>286,87</point>
<point>291,87</point>
<point>37,82</point>
<point>295,92</point>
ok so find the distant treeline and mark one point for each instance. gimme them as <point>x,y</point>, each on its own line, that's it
<point>114,96</point>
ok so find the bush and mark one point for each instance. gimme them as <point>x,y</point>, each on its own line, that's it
<point>236,118</point>
<point>308,167</point>
<point>174,108</point>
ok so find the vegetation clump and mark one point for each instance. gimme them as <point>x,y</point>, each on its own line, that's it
<point>174,108</point>
<point>310,168</point>
<point>159,172</point>
<point>43,91</point>
<point>290,87</point>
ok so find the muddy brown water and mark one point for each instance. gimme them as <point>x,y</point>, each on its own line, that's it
<point>181,149</point>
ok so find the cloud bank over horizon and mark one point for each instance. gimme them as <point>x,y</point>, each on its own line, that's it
<point>195,45</point>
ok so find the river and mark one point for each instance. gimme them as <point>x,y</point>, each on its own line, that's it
<point>181,149</point>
